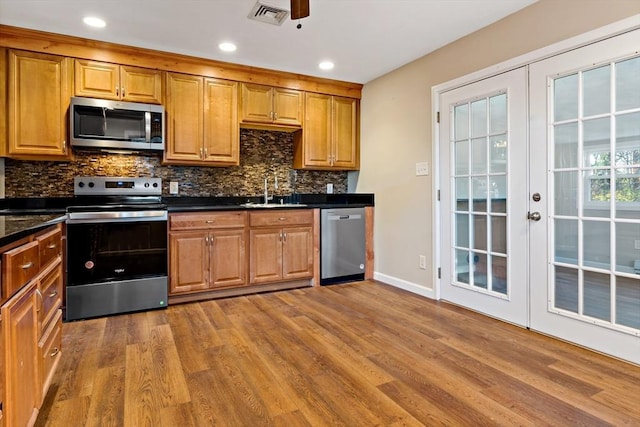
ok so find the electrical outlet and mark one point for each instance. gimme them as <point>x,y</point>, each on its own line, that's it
<point>173,187</point>
<point>636,244</point>
<point>423,262</point>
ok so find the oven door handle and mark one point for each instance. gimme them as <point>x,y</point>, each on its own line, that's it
<point>116,216</point>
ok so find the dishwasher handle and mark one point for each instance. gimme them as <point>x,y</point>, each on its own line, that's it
<point>343,217</point>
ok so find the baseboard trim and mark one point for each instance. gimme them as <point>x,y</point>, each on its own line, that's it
<point>403,284</point>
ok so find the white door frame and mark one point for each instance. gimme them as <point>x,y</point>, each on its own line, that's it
<point>593,36</point>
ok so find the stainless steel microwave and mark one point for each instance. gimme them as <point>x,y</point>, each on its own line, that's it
<point>114,125</point>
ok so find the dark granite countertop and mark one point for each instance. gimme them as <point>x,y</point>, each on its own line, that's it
<point>20,217</point>
<point>14,227</point>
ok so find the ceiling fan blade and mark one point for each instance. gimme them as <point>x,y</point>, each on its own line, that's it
<point>299,9</point>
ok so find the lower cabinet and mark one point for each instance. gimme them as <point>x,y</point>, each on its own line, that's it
<point>207,251</point>
<point>30,328</point>
<point>22,391</point>
<point>281,246</point>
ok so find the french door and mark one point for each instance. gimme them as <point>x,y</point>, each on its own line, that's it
<point>585,161</point>
<point>483,144</point>
<point>546,234</point>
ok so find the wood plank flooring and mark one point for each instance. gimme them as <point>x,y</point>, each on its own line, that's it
<point>362,354</point>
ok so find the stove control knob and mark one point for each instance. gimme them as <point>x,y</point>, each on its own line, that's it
<point>155,185</point>
<point>81,184</point>
<point>91,184</point>
<point>146,185</point>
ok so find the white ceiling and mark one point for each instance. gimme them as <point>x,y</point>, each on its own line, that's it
<point>364,38</point>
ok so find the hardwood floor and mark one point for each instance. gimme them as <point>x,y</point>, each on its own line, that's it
<point>363,354</point>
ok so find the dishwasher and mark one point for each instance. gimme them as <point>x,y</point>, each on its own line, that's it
<point>342,245</point>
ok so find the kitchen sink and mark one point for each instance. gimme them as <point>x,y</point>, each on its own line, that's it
<point>273,205</point>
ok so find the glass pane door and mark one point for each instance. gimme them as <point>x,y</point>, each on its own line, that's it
<point>585,161</point>
<point>480,152</point>
<point>483,197</point>
<point>596,176</point>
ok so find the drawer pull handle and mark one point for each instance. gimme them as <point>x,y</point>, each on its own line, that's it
<point>55,352</point>
<point>27,265</point>
<point>209,221</point>
<point>51,246</point>
<point>282,218</point>
<point>53,294</point>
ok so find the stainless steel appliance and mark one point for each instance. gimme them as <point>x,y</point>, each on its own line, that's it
<point>342,242</point>
<point>106,124</point>
<point>116,247</point>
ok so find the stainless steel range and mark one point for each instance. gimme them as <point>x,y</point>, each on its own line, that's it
<point>116,247</point>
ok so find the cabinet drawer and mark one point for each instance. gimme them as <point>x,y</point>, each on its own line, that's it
<point>50,245</point>
<point>280,217</point>
<point>50,287</point>
<point>50,351</point>
<point>19,266</point>
<point>207,220</point>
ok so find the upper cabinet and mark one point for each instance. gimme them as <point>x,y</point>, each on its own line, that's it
<point>329,138</point>
<point>39,92</point>
<point>202,121</point>
<point>120,82</point>
<point>271,106</point>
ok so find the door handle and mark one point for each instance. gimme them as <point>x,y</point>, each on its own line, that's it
<point>534,216</point>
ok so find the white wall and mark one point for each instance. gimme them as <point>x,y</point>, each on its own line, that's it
<point>396,125</point>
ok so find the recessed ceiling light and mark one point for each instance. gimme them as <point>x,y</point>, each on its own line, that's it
<point>227,47</point>
<point>92,21</point>
<point>326,65</point>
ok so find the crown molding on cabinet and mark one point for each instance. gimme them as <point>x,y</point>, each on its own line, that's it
<point>39,41</point>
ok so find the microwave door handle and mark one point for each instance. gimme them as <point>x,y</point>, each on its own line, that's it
<point>147,126</point>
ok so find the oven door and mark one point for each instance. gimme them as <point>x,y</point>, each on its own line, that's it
<point>108,250</point>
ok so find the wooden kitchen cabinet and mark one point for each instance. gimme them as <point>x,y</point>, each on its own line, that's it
<point>20,329</point>
<point>119,82</point>
<point>39,92</point>
<point>281,246</point>
<point>31,327</point>
<point>272,105</point>
<point>329,138</point>
<point>207,251</point>
<point>202,121</point>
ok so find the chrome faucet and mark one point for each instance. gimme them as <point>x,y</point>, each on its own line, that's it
<point>266,187</point>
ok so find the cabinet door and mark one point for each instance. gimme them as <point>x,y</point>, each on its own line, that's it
<point>257,103</point>
<point>288,106</point>
<point>345,134</point>
<point>228,258</point>
<point>22,394</point>
<point>297,253</point>
<point>39,96</point>
<point>221,132</point>
<point>3,104</point>
<point>317,130</point>
<point>189,261</point>
<point>184,108</point>
<point>140,85</point>
<point>97,79</point>
<point>266,255</point>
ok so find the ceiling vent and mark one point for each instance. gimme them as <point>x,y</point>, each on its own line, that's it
<point>269,14</point>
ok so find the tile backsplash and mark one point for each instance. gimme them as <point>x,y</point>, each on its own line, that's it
<point>262,154</point>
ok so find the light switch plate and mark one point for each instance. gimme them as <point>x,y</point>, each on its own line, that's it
<point>329,188</point>
<point>173,187</point>
<point>422,168</point>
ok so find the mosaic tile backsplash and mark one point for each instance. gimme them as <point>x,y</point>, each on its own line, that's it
<point>262,154</point>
